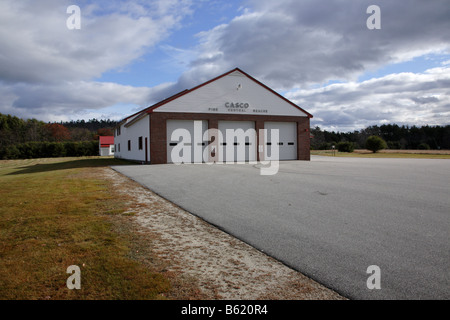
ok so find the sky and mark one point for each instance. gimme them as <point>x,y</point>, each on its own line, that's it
<point>320,54</point>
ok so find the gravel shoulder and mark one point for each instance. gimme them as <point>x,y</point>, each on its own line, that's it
<point>202,261</point>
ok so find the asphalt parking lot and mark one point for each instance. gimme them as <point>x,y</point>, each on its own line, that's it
<point>330,218</point>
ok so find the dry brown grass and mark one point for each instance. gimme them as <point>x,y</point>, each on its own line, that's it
<point>392,151</point>
<point>56,213</point>
<point>387,153</point>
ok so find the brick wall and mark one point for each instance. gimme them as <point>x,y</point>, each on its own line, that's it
<point>158,130</point>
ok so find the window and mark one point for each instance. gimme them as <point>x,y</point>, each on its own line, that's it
<point>119,147</point>
<point>140,143</point>
<point>118,131</point>
<point>129,145</point>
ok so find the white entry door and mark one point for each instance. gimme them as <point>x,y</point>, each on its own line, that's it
<point>237,142</point>
<point>287,144</point>
<point>185,140</point>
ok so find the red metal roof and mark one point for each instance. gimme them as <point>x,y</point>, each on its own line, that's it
<point>106,140</point>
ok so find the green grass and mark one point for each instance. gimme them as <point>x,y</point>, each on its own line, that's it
<point>408,154</point>
<point>55,213</point>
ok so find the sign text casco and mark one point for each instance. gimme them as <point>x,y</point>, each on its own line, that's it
<point>236,105</point>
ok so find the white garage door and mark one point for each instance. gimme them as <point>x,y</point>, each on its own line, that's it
<point>287,144</point>
<point>185,141</point>
<point>237,142</point>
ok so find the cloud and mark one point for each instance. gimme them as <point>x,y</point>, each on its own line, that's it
<point>48,71</point>
<point>62,101</point>
<point>300,43</point>
<point>37,46</point>
<point>404,98</point>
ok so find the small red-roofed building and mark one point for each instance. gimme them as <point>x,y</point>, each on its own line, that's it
<point>106,145</point>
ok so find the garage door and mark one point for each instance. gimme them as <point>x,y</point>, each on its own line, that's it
<point>185,141</point>
<point>287,144</point>
<point>237,142</point>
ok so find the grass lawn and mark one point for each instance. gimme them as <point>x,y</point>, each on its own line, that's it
<point>55,213</point>
<point>414,154</point>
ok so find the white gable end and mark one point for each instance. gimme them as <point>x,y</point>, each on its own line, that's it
<point>234,93</point>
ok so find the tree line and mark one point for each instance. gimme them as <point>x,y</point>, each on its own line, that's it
<point>31,138</point>
<point>395,137</point>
